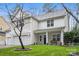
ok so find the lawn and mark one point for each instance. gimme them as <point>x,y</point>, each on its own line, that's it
<point>39,50</point>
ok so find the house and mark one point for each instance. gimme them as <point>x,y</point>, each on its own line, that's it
<point>3,28</point>
<point>43,29</point>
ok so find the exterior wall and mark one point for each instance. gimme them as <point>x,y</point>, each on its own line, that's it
<point>10,41</point>
<point>27,26</point>
<point>34,26</point>
<point>28,36</point>
<point>15,41</point>
<point>2,40</point>
<point>67,23</point>
<point>57,23</point>
<point>42,25</point>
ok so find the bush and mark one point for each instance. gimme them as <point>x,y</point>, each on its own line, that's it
<point>70,37</point>
<point>76,39</point>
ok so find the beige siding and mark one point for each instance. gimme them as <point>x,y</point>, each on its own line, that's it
<point>3,24</point>
<point>2,40</point>
<point>5,27</point>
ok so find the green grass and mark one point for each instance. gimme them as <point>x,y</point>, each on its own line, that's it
<point>39,50</point>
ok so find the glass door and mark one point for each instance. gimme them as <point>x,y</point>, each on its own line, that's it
<point>44,39</point>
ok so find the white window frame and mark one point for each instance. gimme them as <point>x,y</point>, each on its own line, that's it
<point>50,22</point>
<point>56,37</point>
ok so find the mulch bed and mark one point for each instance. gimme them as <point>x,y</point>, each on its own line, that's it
<point>26,49</point>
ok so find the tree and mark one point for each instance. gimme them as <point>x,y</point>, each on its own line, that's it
<point>49,7</point>
<point>69,12</point>
<point>17,23</point>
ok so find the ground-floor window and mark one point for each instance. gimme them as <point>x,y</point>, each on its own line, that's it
<point>40,37</point>
<point>56,37</point>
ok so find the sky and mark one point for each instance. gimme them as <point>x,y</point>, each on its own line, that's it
<point>35,8</point>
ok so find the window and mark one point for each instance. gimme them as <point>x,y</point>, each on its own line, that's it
<point>50,23</point>
<point>40,38</point>
<point>56,37</point>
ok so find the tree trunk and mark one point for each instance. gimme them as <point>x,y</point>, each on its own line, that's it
<point>21,42</point>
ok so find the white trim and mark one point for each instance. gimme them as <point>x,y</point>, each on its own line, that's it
<point>46,37</point>
<point>62,39</point>
<point>48,29</point>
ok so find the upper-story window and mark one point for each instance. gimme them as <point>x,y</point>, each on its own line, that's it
<point>50,23</point>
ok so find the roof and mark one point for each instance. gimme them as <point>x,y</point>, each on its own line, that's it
<point>3,24</point>
<point>53,14</point>
<point>56,13</point>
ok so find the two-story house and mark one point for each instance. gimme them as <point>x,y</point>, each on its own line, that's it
<point>43,29</point>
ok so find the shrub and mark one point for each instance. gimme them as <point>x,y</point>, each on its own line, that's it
<point>70,37</point>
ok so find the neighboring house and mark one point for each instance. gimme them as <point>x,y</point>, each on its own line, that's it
<point>3,28</point>
<point>43,29</point>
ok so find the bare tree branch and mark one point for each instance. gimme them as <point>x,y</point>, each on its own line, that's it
<point>70,13</point>
<point>16,32</point>
<point>49,7</point>
<point>12,16</point>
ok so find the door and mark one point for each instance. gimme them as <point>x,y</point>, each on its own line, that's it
<point>44,39</point>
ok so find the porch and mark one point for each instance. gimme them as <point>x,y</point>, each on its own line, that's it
<point>53,36</point>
